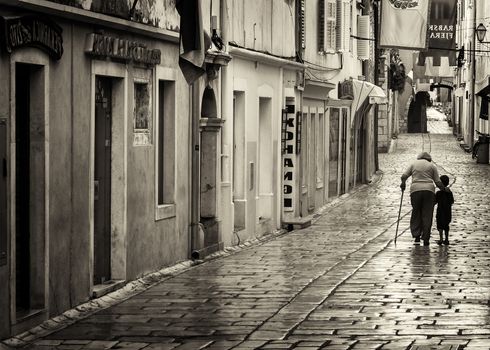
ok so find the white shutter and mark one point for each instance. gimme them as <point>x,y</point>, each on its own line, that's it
<point>346,25</point>
<point>343,25</point>
<point>363,31</point>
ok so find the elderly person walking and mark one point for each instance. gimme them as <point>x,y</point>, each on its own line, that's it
<point>422,195</point>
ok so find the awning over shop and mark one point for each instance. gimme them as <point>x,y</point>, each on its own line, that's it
<point>364,90</point>
<point>359,91</point>
<point>484,92</point>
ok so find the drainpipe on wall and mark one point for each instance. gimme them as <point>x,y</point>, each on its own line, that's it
<point>471,130</point>
<point>226,115</point>
<point>226,112</point>
<point>195,170</point>
<point>376,82</point>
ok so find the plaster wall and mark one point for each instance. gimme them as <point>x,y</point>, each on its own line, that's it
<point>339,65</point>
<point>161,13</point>
<point>151,243</point>
<point>257,80</point>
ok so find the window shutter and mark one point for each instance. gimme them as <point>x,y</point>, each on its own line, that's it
<point>346,25</point>
<point>343,14</point>
<point>339,35</point>
<point>363,31</point>
<point>331,25</point>
<point>302,30</point>
<point>321,26</point>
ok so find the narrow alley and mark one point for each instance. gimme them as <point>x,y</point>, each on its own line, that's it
<point>339,284</point>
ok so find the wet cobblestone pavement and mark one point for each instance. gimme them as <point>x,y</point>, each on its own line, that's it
<point>338,284</point>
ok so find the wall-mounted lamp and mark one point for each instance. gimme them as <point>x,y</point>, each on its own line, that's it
<point>481,31</point>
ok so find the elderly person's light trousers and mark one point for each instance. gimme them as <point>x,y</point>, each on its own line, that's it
<point>422,212</point>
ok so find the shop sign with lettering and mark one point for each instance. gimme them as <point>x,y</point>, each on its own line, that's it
<point>106,46</point>
<point>289,142</point>
<point>34,31</point>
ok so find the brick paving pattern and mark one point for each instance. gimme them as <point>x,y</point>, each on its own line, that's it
<point>338,284</point>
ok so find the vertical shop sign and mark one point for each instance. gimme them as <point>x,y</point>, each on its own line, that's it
<point>288,145</point>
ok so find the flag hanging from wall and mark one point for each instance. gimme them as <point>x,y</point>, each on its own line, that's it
<point>192,44</point>
<point>440,60</point>
<point>403,24</point>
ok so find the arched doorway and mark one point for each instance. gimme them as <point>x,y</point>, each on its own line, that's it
<point>417,113</point>
<point>210,128</point>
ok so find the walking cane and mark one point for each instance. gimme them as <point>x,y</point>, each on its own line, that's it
<point>399,212</point>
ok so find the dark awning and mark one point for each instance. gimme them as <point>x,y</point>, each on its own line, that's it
<point>484,92</point>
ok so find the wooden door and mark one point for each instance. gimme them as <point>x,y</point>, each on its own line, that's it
<point>3,192</point>
<point>333,162</point>
<point>361,137</point>
<point>22,188</point>
<point>343,152</point>
<point>102,181</point>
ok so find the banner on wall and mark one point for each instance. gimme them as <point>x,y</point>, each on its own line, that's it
<point>192,46</point>
<point>441,57</point>
<point>403,24</point>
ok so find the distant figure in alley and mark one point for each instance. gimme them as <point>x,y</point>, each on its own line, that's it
<point>422,195</point>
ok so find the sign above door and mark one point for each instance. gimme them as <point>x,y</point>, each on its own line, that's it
<point>33,31</point>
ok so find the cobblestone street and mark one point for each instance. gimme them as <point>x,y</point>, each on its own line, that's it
<point>339,284</point>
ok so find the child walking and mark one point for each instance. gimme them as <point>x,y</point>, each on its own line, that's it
<point>444,200</point>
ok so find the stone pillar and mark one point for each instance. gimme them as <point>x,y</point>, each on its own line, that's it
<point>210,128</point>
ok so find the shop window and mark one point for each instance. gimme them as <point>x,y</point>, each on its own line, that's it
<point>165,149</point>
<point>142,114</point>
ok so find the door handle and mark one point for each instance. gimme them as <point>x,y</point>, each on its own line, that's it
<point>4,166</point>
<point>96,190</point>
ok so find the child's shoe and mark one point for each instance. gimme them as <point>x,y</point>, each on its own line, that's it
<point>446,242</point>
<point>439,242</point>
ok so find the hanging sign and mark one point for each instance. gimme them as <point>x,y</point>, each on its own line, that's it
<point>107,46</point>
<point>442,37</point>
<point>404,24</point>
<point>288,144</point>
<point>34,31</point>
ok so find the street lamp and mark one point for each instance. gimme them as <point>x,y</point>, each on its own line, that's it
<point>481,31</point>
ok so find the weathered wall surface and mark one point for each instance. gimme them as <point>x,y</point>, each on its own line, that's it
<point>157,13</point>
<point>151,244</point>
<point>264,25</point>
<point>154,244</point>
